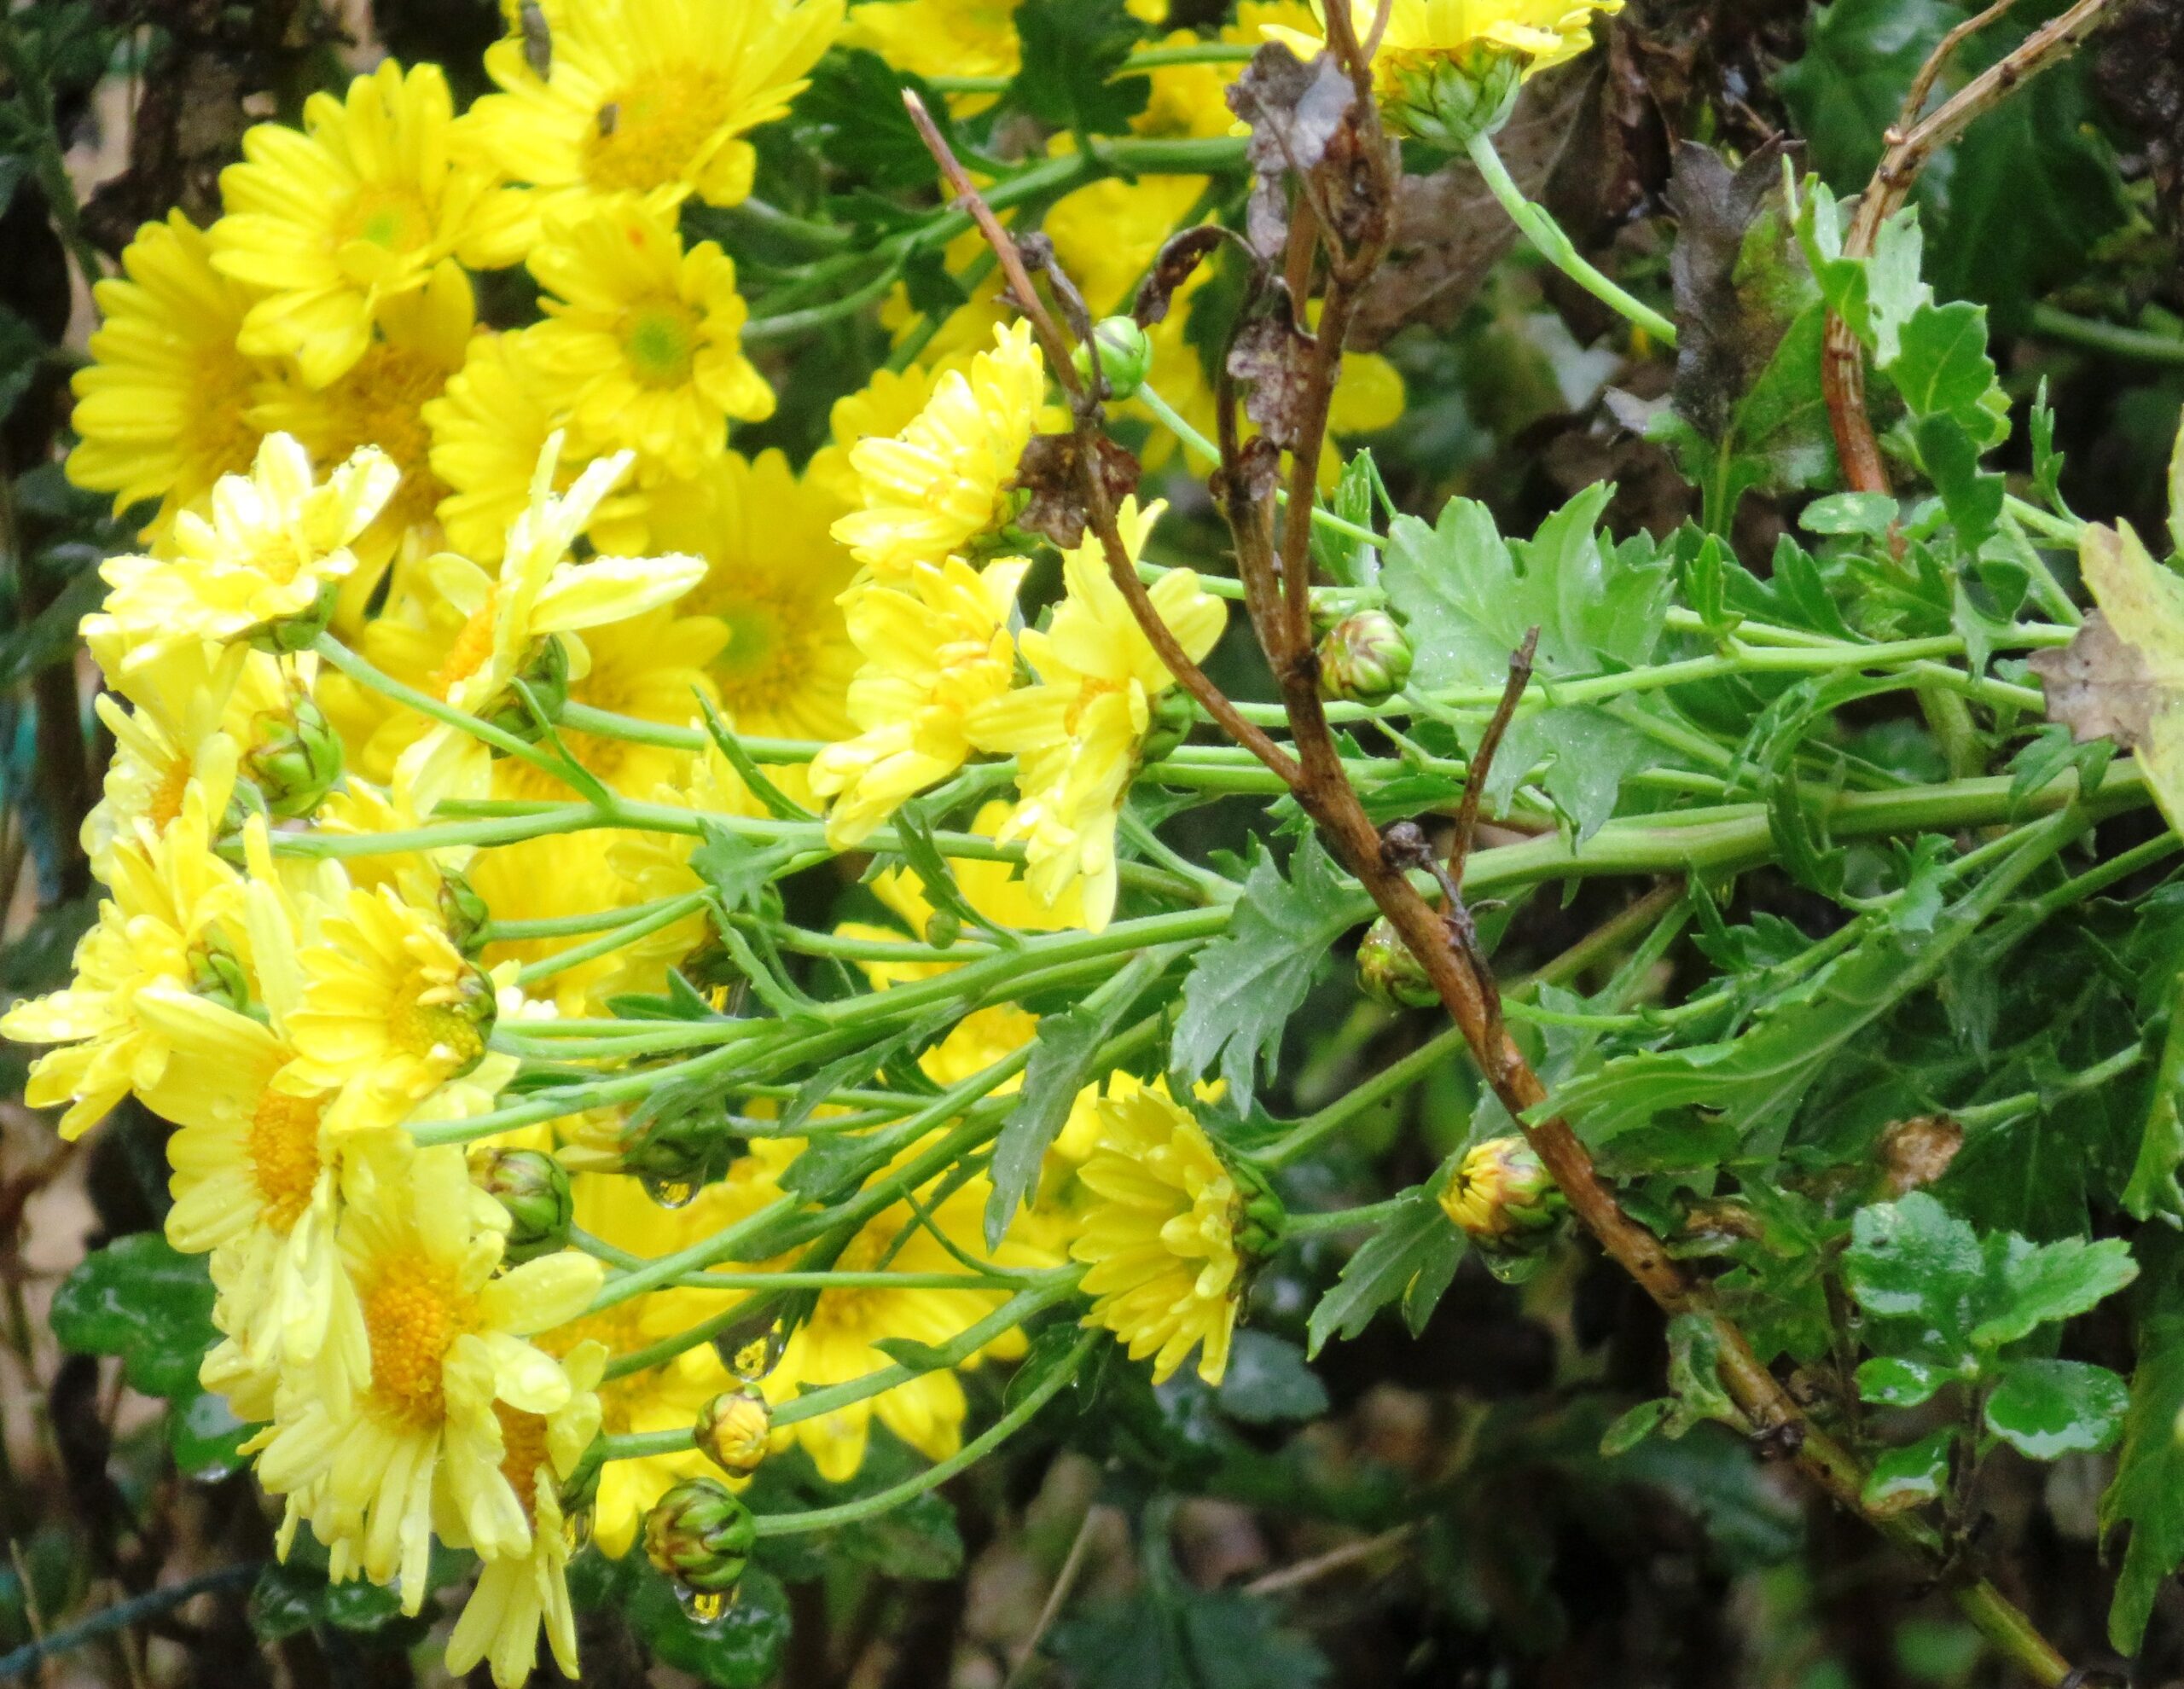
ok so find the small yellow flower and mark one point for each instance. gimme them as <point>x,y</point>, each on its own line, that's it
<point>163,410</point>
<point>1164,1270</point>
<point>176,734</point>
<point>648,96</point>
<point>276,544</point>
<point>883,407</point>
<point>944,482</point>
<point>642,340</point>
<point>356,209</point>
<point>446,1336</point>
<point>933,655</point>
<point>1542,33</point>
<point>1078,734</point>
<point>175,907</point>
<point>939,38</point>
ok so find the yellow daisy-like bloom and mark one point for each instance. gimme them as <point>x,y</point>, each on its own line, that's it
<point>643,340</point>
<point>488,429</point>
<point>1078,734</point>
<point>834,1344</point>
<point>650,96</point>
<point>939,38</point>
<point>357,208</point>
<point>174,905</point>
<point>933,656</point>
<point>774,578</point>
<point>176,734</point>
<point>881,408</point>
<point>1164,1271</point>
<point>1541,32</point>
<point>539,594</point>
<point>518,1595</point>
<point>163,409</point>
<point>275,542</point>
<point>941,483</point>
<point>390,1011</point>
<point>447,1342</point>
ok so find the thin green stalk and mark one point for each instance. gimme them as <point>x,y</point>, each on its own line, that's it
<point>674,909</point>
<point>787,324</point>
<point>360,670</point>
<point>1172,420</point>
<point>1296,1226</point>
<point>1555,247</point>
<point>2107,337</point>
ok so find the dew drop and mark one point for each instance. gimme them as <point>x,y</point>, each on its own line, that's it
<point>668,1193</point>
<point>704,1605</point>
<point>753,1358</point>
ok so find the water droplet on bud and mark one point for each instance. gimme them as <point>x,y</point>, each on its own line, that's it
<point>668,1193</point>
<point>704,1605</point>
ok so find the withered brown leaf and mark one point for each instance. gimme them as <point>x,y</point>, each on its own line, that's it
<point>2098,687</point>
<point>1050,471</point>
<point>1275,357</point>
<point>1303,117</point>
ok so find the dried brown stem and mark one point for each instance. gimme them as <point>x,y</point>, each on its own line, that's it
<point>1914,102</point>
<point>1842,368</point>
<point>1482,761</point>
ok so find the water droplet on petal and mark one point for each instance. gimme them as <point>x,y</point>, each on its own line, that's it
<point>668,1193</point>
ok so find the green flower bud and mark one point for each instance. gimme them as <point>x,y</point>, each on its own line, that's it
<point>732,1431</point>
<point>545,671</point>
<point>1450,99</point>
<point>674,1155</point>
<point>464,911</point>
<point>296,762</point>
<point>700,1535</point>
<point>216,974</point>
<point>534,1188</point>
<point>1364,658</point>
<point>942,929</point>
<point>1389,973</point>
<point>299,633</point>
<point>1174,714</point>
<point>1125,355</point>
<point>1503,1198</point>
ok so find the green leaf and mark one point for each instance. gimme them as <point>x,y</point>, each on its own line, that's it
<point>918,1539</point>
<point>1064,1060</point>
<point>936,879</point>
<point>778,804</point>
<point>1909,1476</point>
<point>2148,1491</point>
<point>1695,1376</point>
<point>737,869</point>
<point>22,348</point>
<point>1942,368</point>
<point>2043,1284</point>
<point>49,636</point>
<point>1183,1639</point>
<point>1243,987</point>
<point>144,1301</point>
<point>1268,1382</point>
<point>2154,1188</point>
<point>2045,1409</point>
<point>1845,88</point>
<point>1071,50</point>
<point>740,1650</point>
<point>1895,1382</point>
<point>856,96</point>
<point>1872,514</point>
<point>1411,1258</point>
<point>206,1438</point>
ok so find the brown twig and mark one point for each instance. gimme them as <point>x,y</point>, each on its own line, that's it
<point>1482,761</point>
<point>1914,102</point>
<point>1320,1565</point>
<point>1843,367</point>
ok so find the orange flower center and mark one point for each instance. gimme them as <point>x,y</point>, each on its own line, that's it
<point>165,802</point>
<point>473,646</point>
<point>283,1150</point>
<point>414,1311</point>
<point>654,132</point>
<point>523,1444</point>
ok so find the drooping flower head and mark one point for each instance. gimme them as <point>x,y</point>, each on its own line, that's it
<point>1165,1271</point>
<point>933,656</point>
<point>163,409</point>
<point>330,222</point>
<point>642,340</point>
<point>648,97</point>
<point>1078,734</point>
<point>934,490</point>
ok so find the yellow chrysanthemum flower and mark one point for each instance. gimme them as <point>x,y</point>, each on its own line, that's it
<point>941,483</point>
<point>356,209</point>
<point>881,408</point>
<point>173,910</point>
<point>174,735</point>
<point>276,542</point>
<point>1164,1271</point>
<point>163,409</point>
<point>1541,32</point>
<point>1078,734</point>
<point>518,1595</point>
<point>538,595</point>
<point>390,1010</point>
<point>642,340</point>
<point>774,578</point>
<point>648,96</point>
<point>939,38</point>
<point>447,1341</point>
<point>933,656</point>
<point>415,876</point>
<point>488,429</point>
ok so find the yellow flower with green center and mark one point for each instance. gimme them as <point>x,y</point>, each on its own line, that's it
<point>933,655</point>
<point>1164,1271</point>
<point>163,409</point>
<point>446,1337</point>
<point>943,483</point>
<point>331,222</point>
<point>774,579</point>
<point>174,910</point>
<point>488,428</point>
<point>275,544</point>
<point>650,97</point>
<point>389,1011</point>
<point>642,343</point>
<point>1078,734</point>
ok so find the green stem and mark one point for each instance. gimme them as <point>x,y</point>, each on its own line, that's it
<point>655,918</point>
<point>2107,337</point>
<point>1296,1226</point>
<point>360,670</point>
<point>1172,420</point>
<point>1546,234</point>
<point>786,325</point>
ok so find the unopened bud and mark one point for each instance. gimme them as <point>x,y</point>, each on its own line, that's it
<point>700,1535</point>
<point>464,912</point>
<point>942,927</point>
<point>1125,355</point>
<point>296,762</point>
<point>1174,714</point>
<point>534,1188</point>
<point>216,973</point>
<point>545,674</point>
<point>1450,99</point>
<point>299,633</point>
<point>1364,658</point>
<point>732,1431</point>
<point>1503,1198</point>
<point>1388,971</point>
<point>675,1154</point>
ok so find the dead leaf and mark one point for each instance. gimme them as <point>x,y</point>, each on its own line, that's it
<point>2142,606</point>
<point>2098,686</point>
<point>1177,262</point>
<point>1917,1152</point>
<point>1731,314</point>
<point>1303,118</point>
<point>1277,359</point>
<point>1050,471</point>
